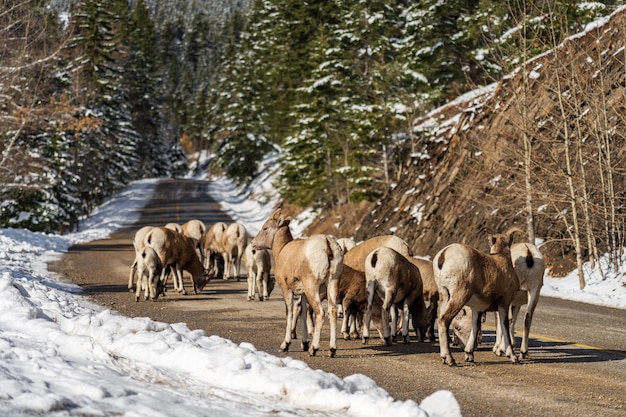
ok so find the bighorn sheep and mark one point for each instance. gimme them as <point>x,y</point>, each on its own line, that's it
<point>304,267</point>
<point>149,269</point>
<point>530,268</point>
<point>430,296</point>
<point>258,263</point>
<point>195,229</point>
<point>233,244</point>
<point>398,283</point>
<point>211,246</point>
<point>352,292</point>
<point>138,245</point>
<point>179,252</point>
<point>466,276</point>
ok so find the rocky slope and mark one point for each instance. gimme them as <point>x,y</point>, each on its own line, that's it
<point>464,172</point>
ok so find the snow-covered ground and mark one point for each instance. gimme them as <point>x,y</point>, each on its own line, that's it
<point>60,355</point>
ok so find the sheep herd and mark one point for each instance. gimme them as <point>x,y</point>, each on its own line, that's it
<point>378,281</point>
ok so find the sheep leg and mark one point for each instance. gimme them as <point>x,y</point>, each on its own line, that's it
<point>405,322</point>
<point>181,284</point>
<point>498,346</point>
<point>305,325</point>
<point>265,277</point>
<point>131,277</point>
<point>289,304</point>
<point>296,313</point>
<point>503,320</point>
<point>251,284</point>
<point>368,312</point>
<point>347,321</point>
<point>237,263</point>
<point>533,298</point>
<point>389,330</point>
<point>152,286</point>
<point>332,312</point>
<point>513,313</point>
<point>448,309</point>
<point>471,340</point>
<point>259,286</point>
<point>139,283</point>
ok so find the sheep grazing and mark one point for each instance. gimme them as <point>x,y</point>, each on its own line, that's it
<point>430,296</point>
<point>466,276</point>
<point>304,268</point>
<point>352,293</point>
<point>212,251</point>
<point>149,270</point>
<point>258,264</point>
<point>398,283</point>
<point>462,327</point>
<point>179,252</point>
<point>138,245</point>
<point>195,229</point>
<point>530,268</point>
<point>233,244</point>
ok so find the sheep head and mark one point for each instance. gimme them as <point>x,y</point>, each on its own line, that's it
<point>265,238</point>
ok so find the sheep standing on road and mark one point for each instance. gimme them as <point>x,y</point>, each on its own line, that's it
<point>399,284</point>
<point>138,245</point>
<point>305,268</point>
<point>212,250</point>
<point>233,244</point>
<point>196,230</point>
<point>179,252</point>
<point>149,270</point>
<point>466,276</point>
<point>258,264</point>
<point>530,268</point>
<point>430,296</point>
<point>352,291</point>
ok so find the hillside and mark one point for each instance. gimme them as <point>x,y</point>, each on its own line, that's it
<point>465,171</point>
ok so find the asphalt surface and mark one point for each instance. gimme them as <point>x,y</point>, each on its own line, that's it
<point>577,364</point>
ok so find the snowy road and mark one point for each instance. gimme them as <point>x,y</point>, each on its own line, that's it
<point>578,351</point>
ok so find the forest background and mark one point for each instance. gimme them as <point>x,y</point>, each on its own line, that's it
<point>98,93</point>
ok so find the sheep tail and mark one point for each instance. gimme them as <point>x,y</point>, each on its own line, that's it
<point>530,261</point>
<point>374,260</point>
<point>441,260</point>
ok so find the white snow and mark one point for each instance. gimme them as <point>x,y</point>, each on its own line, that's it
<point>61,355</point>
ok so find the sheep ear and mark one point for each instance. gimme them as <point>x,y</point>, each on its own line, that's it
<point>492,239</point>
<point>284,221</point>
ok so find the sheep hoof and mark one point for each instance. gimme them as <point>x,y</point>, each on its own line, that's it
<point>312,352</point>
<point>448,360</point>
<point>388,341</point>
<point>284,347</point>
<point>524,355</point>
<point>355,336</point>
<point>332,352</point>
<point>469,357</point>
<point>406,339</point>
<point>305,346</point>
<point>136,299</point>
<point>365,340</point>
<point>346,336</point>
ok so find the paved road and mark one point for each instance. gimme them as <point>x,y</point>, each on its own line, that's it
<point>578,351</point>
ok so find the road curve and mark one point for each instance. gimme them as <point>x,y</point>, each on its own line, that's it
<point>578,351</point>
